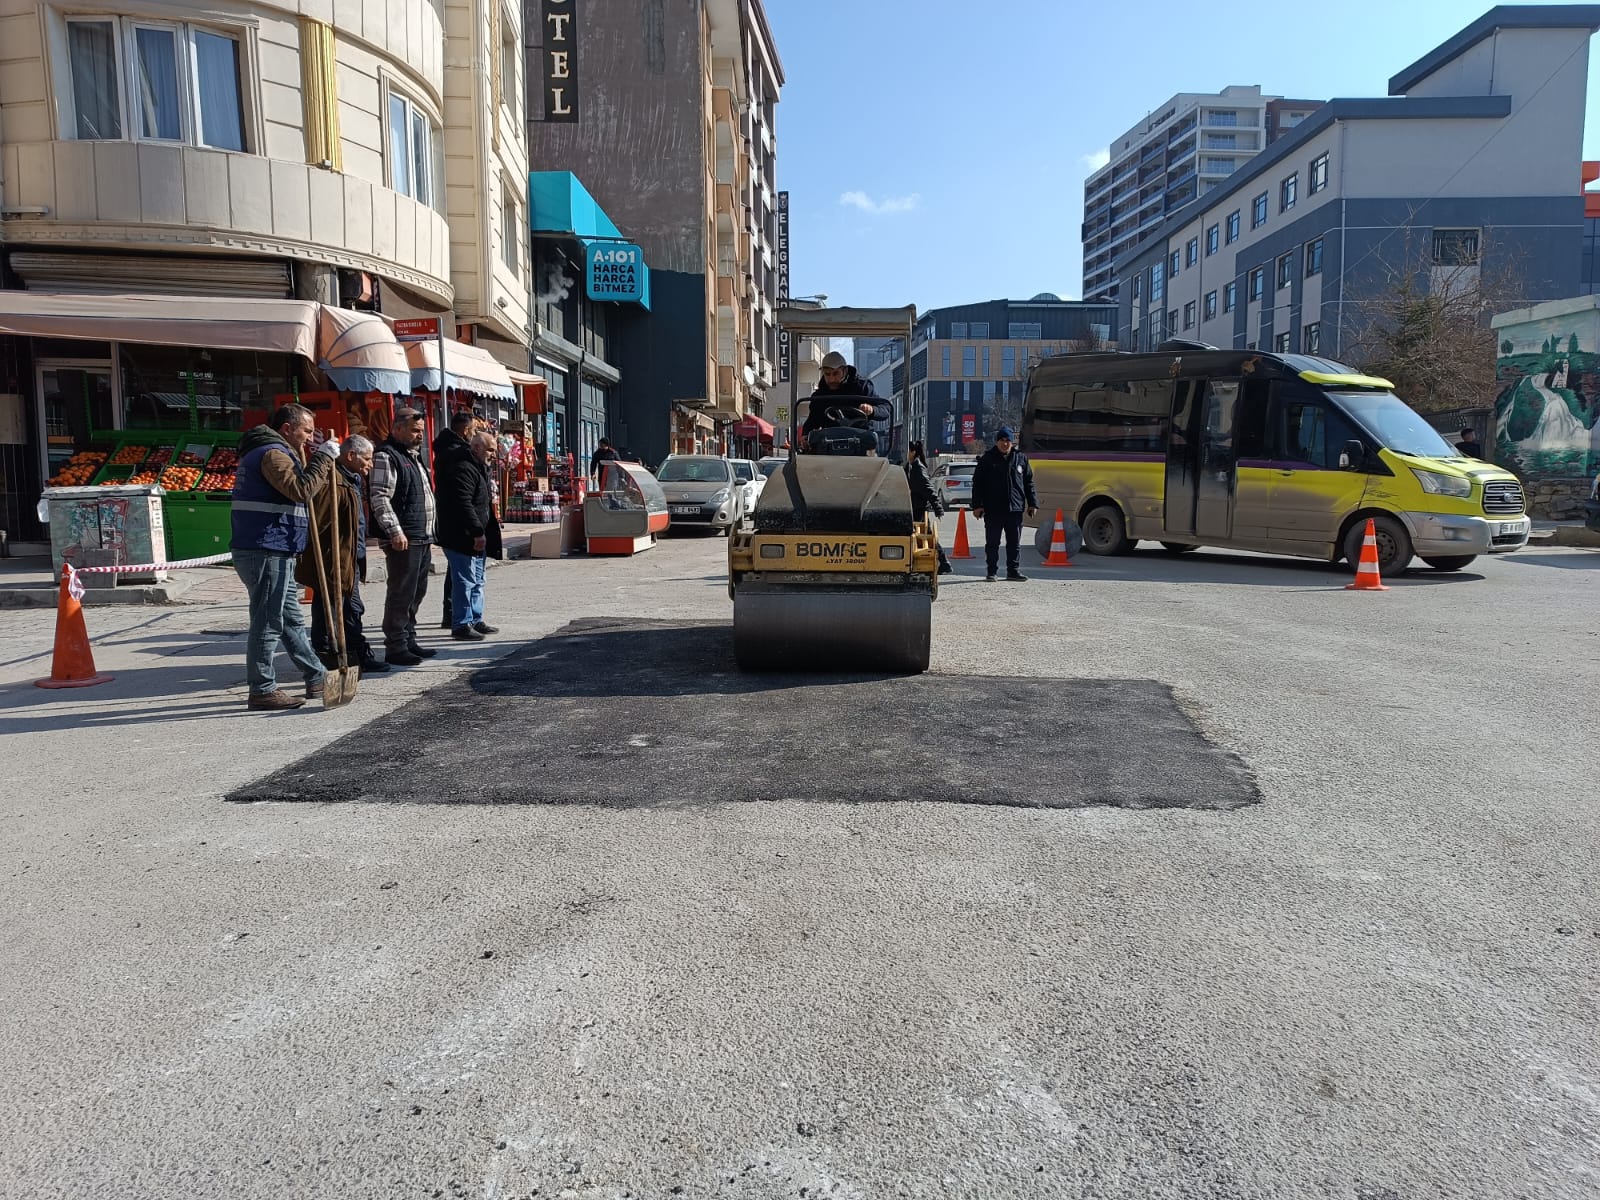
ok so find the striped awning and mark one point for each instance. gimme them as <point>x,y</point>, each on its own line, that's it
<point>466,369</point>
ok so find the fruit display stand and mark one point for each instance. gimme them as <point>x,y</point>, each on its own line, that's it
<point>199,495</point>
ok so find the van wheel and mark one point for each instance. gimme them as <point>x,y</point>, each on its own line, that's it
<point>1394,545</point>
<point>1450,562</point>
<point>1178,547</point>
<point>1105,531</point>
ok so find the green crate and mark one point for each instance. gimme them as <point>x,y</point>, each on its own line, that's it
<point>199,524</point>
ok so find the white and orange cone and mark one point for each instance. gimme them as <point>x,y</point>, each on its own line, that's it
<point>1058,544</point>
<point>1368,577</point>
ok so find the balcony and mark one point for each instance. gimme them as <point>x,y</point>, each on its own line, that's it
<point>722,107</point>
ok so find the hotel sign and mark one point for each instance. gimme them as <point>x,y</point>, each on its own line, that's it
<point>559,54</point>
<point>784,346</point>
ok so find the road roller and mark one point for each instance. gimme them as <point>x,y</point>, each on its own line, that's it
<point>834,573</point>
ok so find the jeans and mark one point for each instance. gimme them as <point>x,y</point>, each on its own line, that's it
<point>408,584</point>
<point>355,639</point>
<point>275,618</point>
<point>994,525</point>
<point>466,588</point>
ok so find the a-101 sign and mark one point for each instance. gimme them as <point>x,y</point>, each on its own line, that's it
<point>615,271</point>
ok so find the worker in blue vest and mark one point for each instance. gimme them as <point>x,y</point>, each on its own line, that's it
<point>270,527</point>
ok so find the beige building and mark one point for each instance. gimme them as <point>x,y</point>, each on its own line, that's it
<point>357,153</point>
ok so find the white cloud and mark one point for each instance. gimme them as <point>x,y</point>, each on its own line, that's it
<point>888,206</point>
<point>1093,162</point>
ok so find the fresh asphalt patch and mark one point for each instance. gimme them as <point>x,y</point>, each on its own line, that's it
<point>627,714</point>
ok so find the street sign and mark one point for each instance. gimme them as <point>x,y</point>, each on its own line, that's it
<point>417,329</point>
<point>783,416</point>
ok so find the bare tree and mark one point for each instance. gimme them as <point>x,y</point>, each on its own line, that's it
<point>1422,321</point>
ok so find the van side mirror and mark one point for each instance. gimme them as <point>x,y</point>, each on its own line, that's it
<point>1353,457</point>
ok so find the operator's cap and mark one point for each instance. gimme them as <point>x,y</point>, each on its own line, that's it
<point>406,414</point>
<point>833,361</point>
<point>1004,432</point>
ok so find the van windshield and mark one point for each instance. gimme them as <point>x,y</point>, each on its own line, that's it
<point>1395,425</point>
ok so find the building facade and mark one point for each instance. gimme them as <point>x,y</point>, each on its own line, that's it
<point>668,115</point>
<point>351,156</point>
<point>1183,149</point>
<point>1468,165</point>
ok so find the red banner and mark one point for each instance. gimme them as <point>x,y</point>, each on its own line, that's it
<point>969,428</point>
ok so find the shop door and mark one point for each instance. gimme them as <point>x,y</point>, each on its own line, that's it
<point>1213,510</point>
<point>75,400</point>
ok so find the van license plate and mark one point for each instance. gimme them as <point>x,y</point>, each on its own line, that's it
<point>1510,528</point>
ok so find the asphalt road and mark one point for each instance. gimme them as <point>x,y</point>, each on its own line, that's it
<point>1374,977</point>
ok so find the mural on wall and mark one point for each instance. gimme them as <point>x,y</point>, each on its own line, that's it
<point>1547,415</point>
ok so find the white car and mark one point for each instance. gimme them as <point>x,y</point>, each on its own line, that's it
<point>953,482</point>
<point>751,481</point>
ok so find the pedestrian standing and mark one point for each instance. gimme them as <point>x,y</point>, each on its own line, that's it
<point>1469,445</point>
<point>1002,494</point>
<point>468,531</point>
<point>402,503</point>
<point>463,424</point>
<point>272,483</point>
<point>343,488</point>
<point>603,454</point>
<point>924,496</point>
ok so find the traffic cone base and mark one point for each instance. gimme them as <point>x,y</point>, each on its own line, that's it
<point>1058,544</point>
<point>72,664</point>
<point>1368,577</point>
<point>962,548</point>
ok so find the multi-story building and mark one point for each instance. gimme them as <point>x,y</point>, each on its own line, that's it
<point>349,156</point>
<point>1183,149</point>
<point>668,119</point>
<point>1469,164</point>
<point>1283,115</point>
<point>969,365</point>
<point>1589,271</point>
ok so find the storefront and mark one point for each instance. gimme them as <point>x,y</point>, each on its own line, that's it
<point>693,431</point>
<point>154,391</point>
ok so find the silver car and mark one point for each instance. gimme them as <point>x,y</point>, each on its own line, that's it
<point>703,490</point>
<point>953,483</point>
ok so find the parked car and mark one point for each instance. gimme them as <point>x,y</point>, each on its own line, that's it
<point>751,482</point>
<point>702,490</point>
<point>769,464</point>
<point>953,482</point>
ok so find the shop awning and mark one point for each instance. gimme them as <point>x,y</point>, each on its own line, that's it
<point>753,426</point>
<point>358,352</point>
<point>466,368</point>
<point>356,349</point>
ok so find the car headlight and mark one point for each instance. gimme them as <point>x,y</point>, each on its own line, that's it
<point>1436,484</point>
<point>720,496</point>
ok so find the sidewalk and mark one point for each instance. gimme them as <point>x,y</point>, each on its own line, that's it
<point>1565,533</point>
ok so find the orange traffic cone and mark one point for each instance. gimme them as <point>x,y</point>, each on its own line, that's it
<point>961,548</point>
<point>1368,578</point>
<point>1058,544</point>
<point>72,665</point>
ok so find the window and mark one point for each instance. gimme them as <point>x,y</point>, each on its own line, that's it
<point>1305,430</point>
<point>1210,308</point>
<point>1221,141</point>
<point>1285,269</point>
<point>1138,281</point>
<point>413,143</point>
<point>1455,247</point>
<point>1318,174</point>
<point>1172,322</point>
<point>1230,297</point>
<point>1288,192</point>
<point>1174,262</point>
<point>1233,227</point>
<point>510,230</point>
<point>1219,166</point>
<point>510,55</point>
<point>1280,343</point>
<point>1158,283</point>
<point>958,329</point>
<point>1114,417</point>
<point>944,360</point>
<point>179,82</point>
<point>1223,118</point>
<point>969,361</point>
<point>1008,361</point>
<point>1258,282</point>
<point>1258,211</point>
<point>1311,338</point>
<point>980,329</point>
<point>986,362</point>
<point>1032,331</point>
<point>1188,315</point>
<point>1314,258</point>
<point>1191,254</point>
<point>1212,240</point>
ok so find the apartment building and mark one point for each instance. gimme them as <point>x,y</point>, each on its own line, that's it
<point>359,157</point>
<point>668,119</point>
<point>1183,149</point>
<point>1471,163</point>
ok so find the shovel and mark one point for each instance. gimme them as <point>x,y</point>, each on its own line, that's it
<point>334,683</point>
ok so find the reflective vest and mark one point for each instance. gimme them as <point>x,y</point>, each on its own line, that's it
<point>263,517</point>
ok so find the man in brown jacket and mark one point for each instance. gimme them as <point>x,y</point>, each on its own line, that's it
<point>344,487</point>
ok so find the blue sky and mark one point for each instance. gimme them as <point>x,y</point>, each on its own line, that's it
<point>935,151</point>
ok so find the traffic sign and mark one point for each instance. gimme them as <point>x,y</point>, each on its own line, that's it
<point>416,329</point>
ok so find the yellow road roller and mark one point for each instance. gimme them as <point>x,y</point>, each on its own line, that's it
<point>835,574</point>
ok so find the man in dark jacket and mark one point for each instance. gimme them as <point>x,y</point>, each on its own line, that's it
<point>402,504</point>
<point>842,388</point>
<point>1002,494</point>
<point>468,531</point>
<point>605,452</point>
<point>1469,445</point>
<point>924,497</point>
<point>270,525</point>
<point>341,494</point>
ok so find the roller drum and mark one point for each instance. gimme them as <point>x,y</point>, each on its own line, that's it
<point>848,629</point>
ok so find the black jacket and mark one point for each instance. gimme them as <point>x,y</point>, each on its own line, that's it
<point>466,505</point>
<point>850,394</point>
<point>923,494</point>
<point>1003,483</point>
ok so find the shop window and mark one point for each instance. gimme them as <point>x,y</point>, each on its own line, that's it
<point>413,151</point>
<point>157,81</point>
<point>158,382</point>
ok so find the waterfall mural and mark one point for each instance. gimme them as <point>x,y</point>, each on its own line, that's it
<point>1547,413</point>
